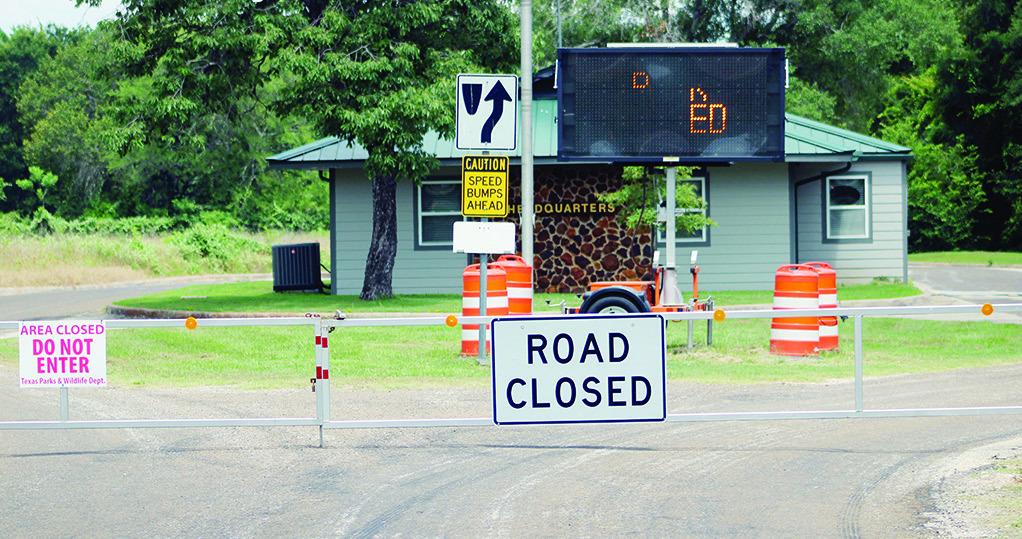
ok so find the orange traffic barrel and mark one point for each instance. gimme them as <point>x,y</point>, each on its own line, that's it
<point>496,303</point>
<point>519,283</point>
<point>796,286</point>
<point>828,300</point>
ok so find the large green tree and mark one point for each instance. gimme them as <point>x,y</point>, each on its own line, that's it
<point>21,52</point>
<point>981,99</point>
<point>381,74</point>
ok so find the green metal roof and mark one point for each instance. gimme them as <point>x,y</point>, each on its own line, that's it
<point>804,140</point>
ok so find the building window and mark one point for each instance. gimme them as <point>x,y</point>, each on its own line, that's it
<point>438,206</point>
<point>846,207</point>
<point>696,236</point>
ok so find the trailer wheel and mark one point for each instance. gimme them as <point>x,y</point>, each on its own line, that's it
<point>612,305</point>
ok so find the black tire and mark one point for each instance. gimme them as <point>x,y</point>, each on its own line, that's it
<point>612,304</point>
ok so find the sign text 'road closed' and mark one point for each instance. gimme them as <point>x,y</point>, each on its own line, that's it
<point>484,185</point>
<point>62,353</point>
<point>575,369</point>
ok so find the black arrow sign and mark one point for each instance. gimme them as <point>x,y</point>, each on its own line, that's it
<point>498,95</point>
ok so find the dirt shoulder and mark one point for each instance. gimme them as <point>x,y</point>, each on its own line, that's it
<point>978,493</point>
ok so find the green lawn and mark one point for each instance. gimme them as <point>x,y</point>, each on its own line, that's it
<point>416,356</point>
<point>978,258</point>
<point>259,297</point>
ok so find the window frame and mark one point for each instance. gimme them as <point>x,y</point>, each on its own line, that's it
<point>703,241</point>
<point>418,214</point>
<point>866,207</point>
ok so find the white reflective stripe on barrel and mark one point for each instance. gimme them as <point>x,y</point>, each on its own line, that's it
<point>828,300</point>
<point>472,335</point>
<point>519,292</point>
<point>799,335</point>
<point>784,302</point>
<point>829,331</point>
<point>492,302</point>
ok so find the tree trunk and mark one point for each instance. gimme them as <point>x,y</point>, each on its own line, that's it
<point>383,246</point>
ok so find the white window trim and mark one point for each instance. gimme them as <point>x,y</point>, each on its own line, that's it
<point>662,234</point>
<point>864,207</point>
<point>420,213</point>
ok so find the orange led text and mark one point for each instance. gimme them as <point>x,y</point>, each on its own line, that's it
<point>640,80</point>
<point>703,116</point>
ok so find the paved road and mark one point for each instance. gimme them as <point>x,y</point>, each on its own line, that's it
<point>91,301</point>
<point>829,478</point>
<point>970,284</point>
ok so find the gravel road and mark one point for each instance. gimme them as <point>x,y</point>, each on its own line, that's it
<point>846,478</point>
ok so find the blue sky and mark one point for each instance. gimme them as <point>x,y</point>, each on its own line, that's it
<point>61,12</point>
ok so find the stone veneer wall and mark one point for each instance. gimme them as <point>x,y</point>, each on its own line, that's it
<point>575,245</point>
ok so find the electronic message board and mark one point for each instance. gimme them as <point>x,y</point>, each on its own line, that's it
<point>697,104</point>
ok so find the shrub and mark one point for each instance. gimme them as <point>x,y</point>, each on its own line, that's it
<point>121,225</point>
<point>11,224</point>
<point>218,247</point>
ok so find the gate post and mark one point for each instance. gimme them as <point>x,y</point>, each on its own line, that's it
<point>325,388</point>
<point>317,386</point>
<point>858,363</point>
<point>65,407</point>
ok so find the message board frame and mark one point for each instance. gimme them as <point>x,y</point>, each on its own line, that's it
<point>568,120</point>
<point>587,320</point>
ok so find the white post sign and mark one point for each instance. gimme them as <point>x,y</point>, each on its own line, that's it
<point>487,115</point>
<point>62,353</point>
<point>579,369</point>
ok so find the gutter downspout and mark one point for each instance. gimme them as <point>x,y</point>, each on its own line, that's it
<point>805,181</point>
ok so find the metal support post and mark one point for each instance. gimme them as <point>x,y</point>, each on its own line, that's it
<point>528,217</point>
<point>691,332</point>
<point>709,332</point>
<point>669,293</point>
<point>65,407</point>
<point>483,261</point>
<point>669,243</point>
<point>858,363</point>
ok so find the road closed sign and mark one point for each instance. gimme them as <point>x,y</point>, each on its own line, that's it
<point>579,369</point>
<point>484,185</point>
<point>62,354</point>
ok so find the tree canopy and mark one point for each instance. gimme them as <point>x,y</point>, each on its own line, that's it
<point>171,108</point>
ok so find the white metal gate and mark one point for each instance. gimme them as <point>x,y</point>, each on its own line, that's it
<point>321,346</point>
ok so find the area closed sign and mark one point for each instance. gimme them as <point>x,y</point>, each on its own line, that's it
<point>484,185</point>
<point>62,353</point>
<point>578,369</point>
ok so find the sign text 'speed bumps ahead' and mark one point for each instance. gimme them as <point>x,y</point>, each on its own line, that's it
<point>579,369</point>
<point>484,185</point>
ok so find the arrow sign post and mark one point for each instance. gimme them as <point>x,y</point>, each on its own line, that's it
<point>485,124</point>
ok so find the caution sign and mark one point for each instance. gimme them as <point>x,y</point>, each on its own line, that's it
<point>484,185</point>
<point>579,369</point>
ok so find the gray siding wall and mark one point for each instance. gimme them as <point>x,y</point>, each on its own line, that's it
<point>750,203</point>
<point>885,254</point>
<point>420,272</point>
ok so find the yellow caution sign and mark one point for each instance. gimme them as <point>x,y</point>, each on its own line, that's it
<point>484,185</point>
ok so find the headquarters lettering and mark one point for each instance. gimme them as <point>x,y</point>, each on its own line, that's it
<point>567,208</point>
